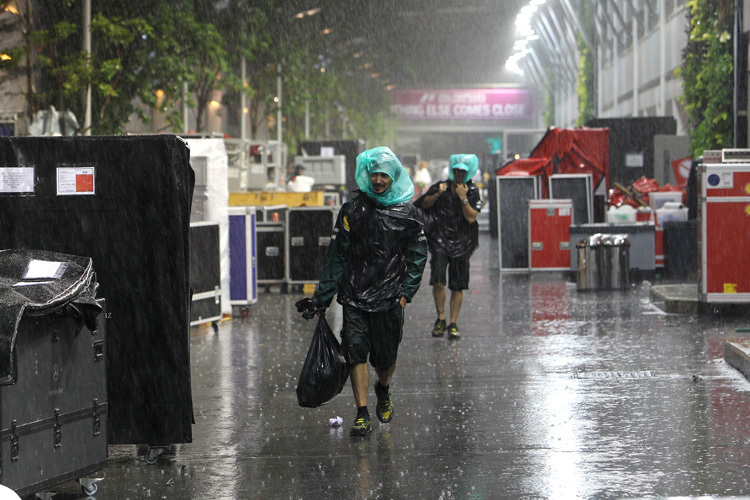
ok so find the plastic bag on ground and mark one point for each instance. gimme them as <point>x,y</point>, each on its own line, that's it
<point>325,370</point>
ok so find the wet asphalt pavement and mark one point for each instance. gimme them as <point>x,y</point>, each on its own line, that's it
<point>550,393</point>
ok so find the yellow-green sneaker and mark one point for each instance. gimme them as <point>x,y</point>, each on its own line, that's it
<point>453,333</point>
<point>384,410</point>
<point>361,427</point>
<point>439,328</point>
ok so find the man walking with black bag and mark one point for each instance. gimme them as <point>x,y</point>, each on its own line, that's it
<point>374,263</point>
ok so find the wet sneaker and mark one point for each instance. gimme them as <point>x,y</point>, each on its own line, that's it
<point>361,427</point>
<point>439,329</point>
<point>453,333</point>
<point>384,410</point>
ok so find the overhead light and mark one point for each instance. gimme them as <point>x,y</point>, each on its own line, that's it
<point>214,104</point>
<point>311,12</point>
<point>11,7</point>
<point>525,35</point>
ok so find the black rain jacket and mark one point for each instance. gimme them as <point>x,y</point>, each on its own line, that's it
<point>448,233</point>
<point>376,256</point>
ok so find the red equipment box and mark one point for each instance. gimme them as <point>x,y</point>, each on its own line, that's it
<point>724,228</point>
<point>549,237</point>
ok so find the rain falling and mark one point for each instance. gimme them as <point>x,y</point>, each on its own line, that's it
<point>537,207</point>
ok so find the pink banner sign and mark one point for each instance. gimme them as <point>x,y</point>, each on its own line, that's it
<point>463,104</point>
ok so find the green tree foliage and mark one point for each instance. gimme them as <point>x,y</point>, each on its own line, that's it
<point>318,71</point>
<point>244,27</point>
<point>706,72</point>
<point>585,84</point>
<point>129,57</point>
<point>17,53</point>
<point>145,53</point>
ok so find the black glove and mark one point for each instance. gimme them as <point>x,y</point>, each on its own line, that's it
<point>309,307</point>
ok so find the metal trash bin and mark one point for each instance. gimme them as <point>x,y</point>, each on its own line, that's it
<point>587,277</point>
<point>603,262</point>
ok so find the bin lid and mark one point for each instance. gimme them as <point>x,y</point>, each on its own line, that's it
<point>590,241</point>
<point>617,240</point>
<point>602,239</point>
<point>40,282</point>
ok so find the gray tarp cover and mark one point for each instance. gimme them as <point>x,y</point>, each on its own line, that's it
<point>36,282</point>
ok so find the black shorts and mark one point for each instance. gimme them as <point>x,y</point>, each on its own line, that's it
<point>458,271</point>
<point>373,334</point>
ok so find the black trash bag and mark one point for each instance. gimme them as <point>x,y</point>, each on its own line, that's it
<point>325,370</point>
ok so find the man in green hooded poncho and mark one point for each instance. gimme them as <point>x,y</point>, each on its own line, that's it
<point>374,265</point>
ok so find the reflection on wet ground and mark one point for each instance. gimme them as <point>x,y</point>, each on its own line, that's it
<point>550,393</point>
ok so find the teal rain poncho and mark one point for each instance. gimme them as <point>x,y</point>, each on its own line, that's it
<point>382,159</point>
<point>469,163</point>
